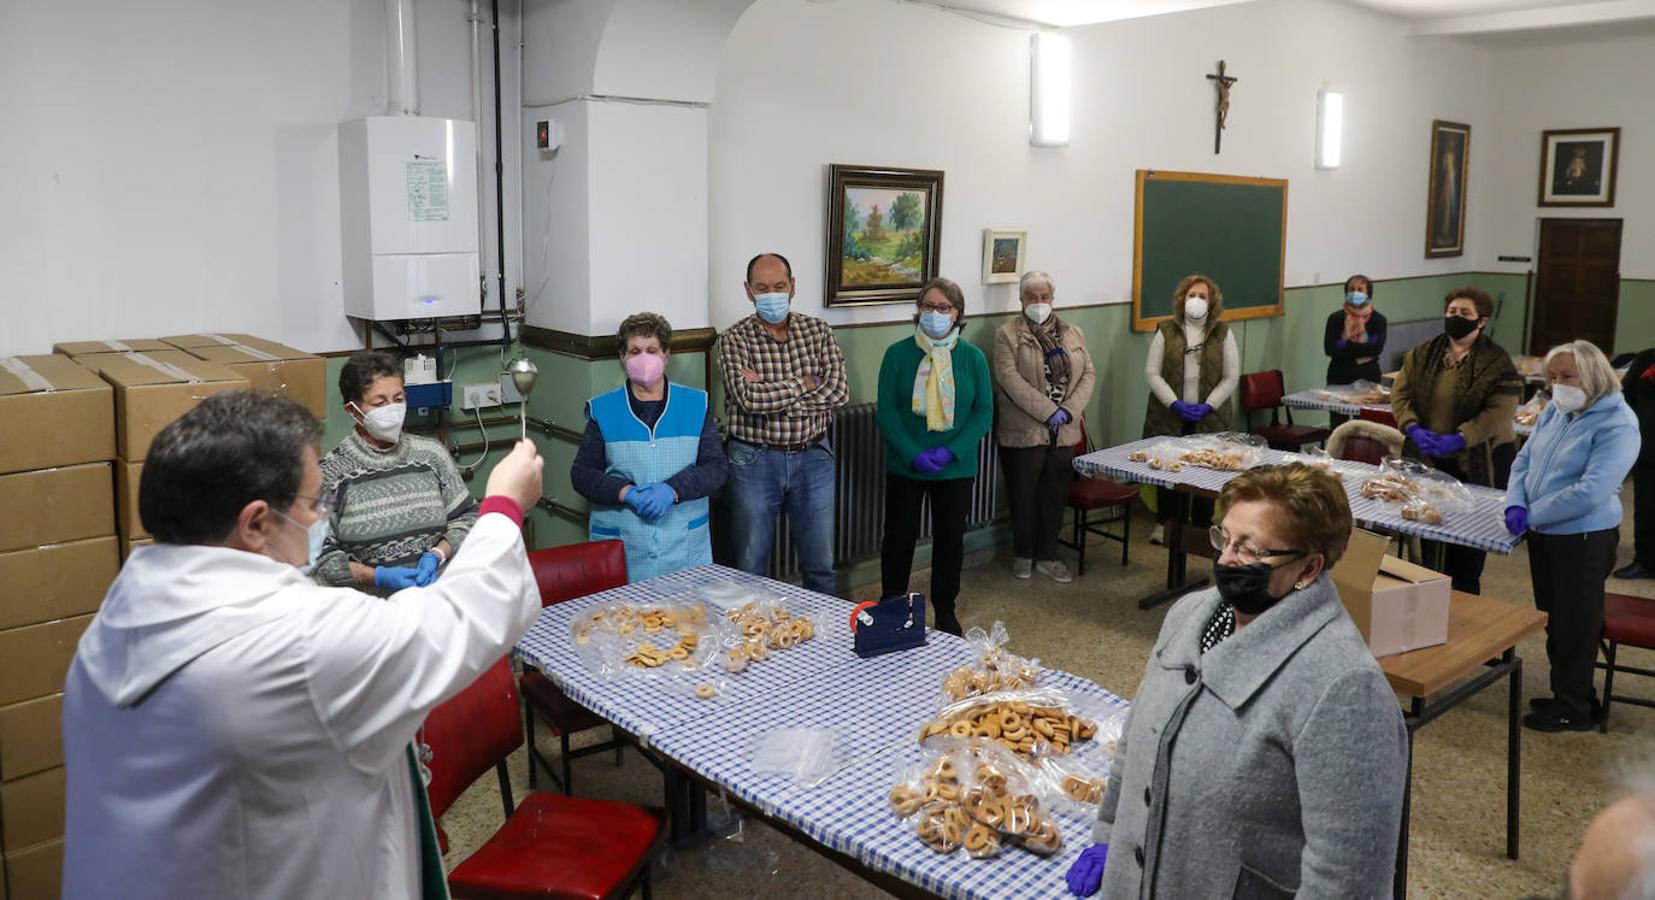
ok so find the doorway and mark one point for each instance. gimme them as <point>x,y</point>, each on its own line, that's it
<point>1577,286</point>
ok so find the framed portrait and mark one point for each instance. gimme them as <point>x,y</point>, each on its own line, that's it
<point>884,233</point>
<point>1445,198</point>
<point>1003,254</point>
<point>1577,166</point>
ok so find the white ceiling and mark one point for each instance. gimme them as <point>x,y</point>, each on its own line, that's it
<point>1461,17</point>
<point>1443,9</point>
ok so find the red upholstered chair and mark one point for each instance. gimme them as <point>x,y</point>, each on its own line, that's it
<point>551,845</point>
<point>1372,414</point>
<point>1087,494</point>
<point>1264,390</point>
<point>1631,621</point>
<point>565,573</point>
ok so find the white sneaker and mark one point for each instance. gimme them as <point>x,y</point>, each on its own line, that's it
<point>1022,566</point>
<point>1159,535</point>
<point>1055,570</point>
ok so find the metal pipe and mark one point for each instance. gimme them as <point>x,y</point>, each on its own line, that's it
<point>499,185</point>
<point>380,327</point>
<point>563,510</point>
<point>401,57</point>
<point>474,15</point>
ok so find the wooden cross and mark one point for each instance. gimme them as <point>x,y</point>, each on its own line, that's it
<point>1222,82</point>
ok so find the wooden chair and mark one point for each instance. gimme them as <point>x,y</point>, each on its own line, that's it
<point>565,573</point>
<point>551,845</point>
<point>1631,621</point>
<point>1087,494</point>
<point>1264,390</point>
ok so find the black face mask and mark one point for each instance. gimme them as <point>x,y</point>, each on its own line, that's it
<point>1458,327</point>
<point>1247,588</point>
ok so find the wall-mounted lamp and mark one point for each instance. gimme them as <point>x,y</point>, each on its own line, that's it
<point>1049,90</point>
<point>1330,128</point>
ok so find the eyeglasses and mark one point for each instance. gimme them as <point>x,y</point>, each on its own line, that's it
<point>324,505</point>
<point>943,308</point>
<point>1222,542</point>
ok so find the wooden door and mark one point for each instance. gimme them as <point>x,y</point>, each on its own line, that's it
<point>1577,286</point>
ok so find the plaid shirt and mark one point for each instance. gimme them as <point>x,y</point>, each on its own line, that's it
<point>778,408</point>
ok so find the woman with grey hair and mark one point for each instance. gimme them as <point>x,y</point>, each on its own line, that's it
<point>1043,379</point>
<point>1564,495</point>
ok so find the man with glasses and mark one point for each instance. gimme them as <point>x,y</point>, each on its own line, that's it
<point>783,377</point>
<point>233,729</point>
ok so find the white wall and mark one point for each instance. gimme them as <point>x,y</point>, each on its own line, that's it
<point>1604,82</point>
<point>171,166</point>
<point>802,85</point>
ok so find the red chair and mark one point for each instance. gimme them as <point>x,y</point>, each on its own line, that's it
<point>564,573</point>
<point>1626,620</point>
<point>551,845</point>
<point>1372,414</point>
<point>1264,390</point>
<point>1087,494</point>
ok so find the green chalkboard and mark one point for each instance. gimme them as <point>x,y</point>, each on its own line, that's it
<point>1229,228</point>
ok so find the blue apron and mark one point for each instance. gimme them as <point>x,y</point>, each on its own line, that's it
<point>680,539</point>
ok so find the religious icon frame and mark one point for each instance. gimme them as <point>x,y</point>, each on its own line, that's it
<point>994,271</point>
<point>1446,189</point>
<point>1607,144</point>
<point>858,247</point>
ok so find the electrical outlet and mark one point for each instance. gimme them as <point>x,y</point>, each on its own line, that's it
<point>474,396</point>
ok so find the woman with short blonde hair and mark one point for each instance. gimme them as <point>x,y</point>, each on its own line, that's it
<point>1564,497</point>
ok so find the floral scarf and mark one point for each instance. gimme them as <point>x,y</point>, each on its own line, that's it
<point>934,382</point>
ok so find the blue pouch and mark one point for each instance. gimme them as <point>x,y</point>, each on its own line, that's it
<point>892,624</point>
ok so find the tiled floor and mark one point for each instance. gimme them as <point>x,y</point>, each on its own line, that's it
<point>1093,627</point>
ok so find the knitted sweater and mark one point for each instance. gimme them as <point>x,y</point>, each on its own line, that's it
<point>905,432</point>
<point>390,506</point>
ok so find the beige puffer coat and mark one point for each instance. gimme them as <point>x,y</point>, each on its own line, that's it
<point>1022,405</point>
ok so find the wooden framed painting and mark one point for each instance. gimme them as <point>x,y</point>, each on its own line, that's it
<point>884,233</point>
<point>1578,165</point>
<point>1004,250</point>
<point>1445,198</point>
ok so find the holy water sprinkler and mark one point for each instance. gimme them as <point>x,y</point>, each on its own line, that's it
<point>523,375</point>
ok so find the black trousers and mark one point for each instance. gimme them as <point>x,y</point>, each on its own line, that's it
<point>950,504</point>
<point>1643,513</point>
<point>1037,484</point>
<point>1568,571</point>
<point>1465,564</point>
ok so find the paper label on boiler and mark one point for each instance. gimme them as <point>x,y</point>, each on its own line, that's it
<point>428,190</point>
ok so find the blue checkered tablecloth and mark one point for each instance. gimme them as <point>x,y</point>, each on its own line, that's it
<point>1482,527</point>
<point>874,707</point>
<point>1313,399</point>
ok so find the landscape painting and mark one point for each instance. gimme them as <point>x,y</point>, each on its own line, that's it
<point>1003,251</point>
<point>883,232</point>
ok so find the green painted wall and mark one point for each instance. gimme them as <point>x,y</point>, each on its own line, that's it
<point>1635,320</point>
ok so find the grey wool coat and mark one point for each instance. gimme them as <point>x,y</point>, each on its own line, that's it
<point>1272,765</point>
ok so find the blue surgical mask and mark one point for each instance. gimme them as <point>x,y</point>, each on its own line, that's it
<point>1356,298</point>
<point>772,307</point>
<point>936,324</point>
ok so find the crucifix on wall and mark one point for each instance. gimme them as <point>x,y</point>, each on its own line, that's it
<point>1222,82</point>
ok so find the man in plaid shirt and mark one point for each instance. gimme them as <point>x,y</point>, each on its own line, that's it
<point>783,378</point>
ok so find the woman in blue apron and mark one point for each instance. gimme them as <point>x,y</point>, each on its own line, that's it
<point>650,458</point>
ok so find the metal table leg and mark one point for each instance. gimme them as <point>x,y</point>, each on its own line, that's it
<point>1177,558</point>
<point>1399,884</point>
<point>1514,751</point>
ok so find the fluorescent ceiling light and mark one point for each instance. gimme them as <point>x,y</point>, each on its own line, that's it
<point>1049,85</point>
<point>1330,128</point>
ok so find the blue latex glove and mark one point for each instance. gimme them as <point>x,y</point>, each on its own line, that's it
<point>925,464</point>
<point>1202,410</point>
<point>396,578</point>
<point>1184,410</point>
<point>1449,444</point>
<point>1087,872</point>
<point>1517,519</point>
<point>1058,419</point>
<point>427,569</point>
<point>652,500</point>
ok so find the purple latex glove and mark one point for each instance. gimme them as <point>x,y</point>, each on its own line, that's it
<point>1424,438</point>
<point>1058,419</point>
<point>1449,444</point>
<point>925,464</point>
<point>1517,519</point>
<point>942,456</point>
<point>1203,410</point>
<point>1086,874</point>
<point>1185,411</point>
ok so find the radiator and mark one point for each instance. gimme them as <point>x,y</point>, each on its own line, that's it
<point>859,492</point>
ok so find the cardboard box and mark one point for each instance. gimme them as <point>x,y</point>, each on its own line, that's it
<point>210,339</point>
<point>90,348</point>
<point>128,523</point>
<point>153,389</point>
<point>56,413</point>
<point>1398,606</point>
<point>31,737</point>
<point>34,659</point>
<point>53,506</point>
<point>128,546</point>
<point>31,808</point>
<point>276,368</point>
<point>36,872</point>
<point>56,581</point>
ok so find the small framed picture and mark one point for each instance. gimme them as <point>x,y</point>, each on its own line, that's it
<point>1003,253</point>
<point>1577,166</point>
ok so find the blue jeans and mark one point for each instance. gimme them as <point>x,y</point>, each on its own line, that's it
<point>765,483</point>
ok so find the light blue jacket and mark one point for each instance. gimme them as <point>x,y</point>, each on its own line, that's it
<point>678,540</point>
<point>1569,473</point>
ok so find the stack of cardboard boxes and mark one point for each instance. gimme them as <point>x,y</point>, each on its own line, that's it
<point>58,556</point>
<point>267,365</point>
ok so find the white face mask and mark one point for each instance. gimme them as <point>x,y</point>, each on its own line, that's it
<point>384,422</point>
<point>1195,308</point>
<point>1038,313</point>
<point>1568,397</point>
<point>316,535</point>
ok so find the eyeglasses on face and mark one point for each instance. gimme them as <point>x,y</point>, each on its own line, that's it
<point>1245,551</point>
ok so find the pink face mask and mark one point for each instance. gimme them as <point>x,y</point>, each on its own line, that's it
<point>645,368</point>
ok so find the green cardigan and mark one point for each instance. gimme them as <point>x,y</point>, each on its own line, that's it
<point>905,434</point>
